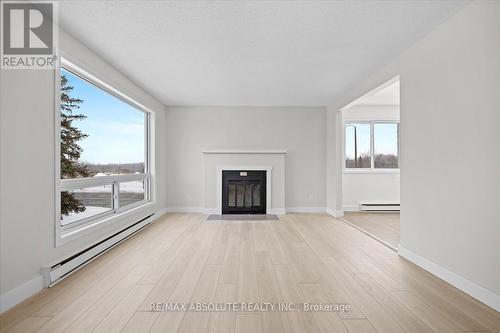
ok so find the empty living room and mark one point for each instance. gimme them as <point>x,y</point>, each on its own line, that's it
<point>250,166</point>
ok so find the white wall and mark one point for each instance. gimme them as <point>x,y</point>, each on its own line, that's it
<point>375,112</point>
<point>334,200</point>
<point>370,186</point>
<point>27,213</point>
<point>299,130</point>
<point>450,156</point>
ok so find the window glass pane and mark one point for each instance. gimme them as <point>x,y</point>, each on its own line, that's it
<point>100,133</point>
<point>385,142</point>
<point>86,202</point>
<point>357,146</point>
<point>131,192</point>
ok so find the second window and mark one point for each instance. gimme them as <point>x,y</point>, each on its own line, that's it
<point>372,145</point>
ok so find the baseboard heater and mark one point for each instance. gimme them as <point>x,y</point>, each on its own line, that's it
<point>379,207</point>
<point>55,272</point>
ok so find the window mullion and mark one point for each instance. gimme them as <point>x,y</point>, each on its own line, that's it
<point>372,146</point>
<point>398,142</point>
<point>116,196</point>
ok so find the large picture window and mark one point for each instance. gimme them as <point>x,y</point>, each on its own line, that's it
<point>104,151</point>
<point>371,145</point>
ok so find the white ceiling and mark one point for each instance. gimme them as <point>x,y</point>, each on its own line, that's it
<point>300,53</point>
<point>386,96</point>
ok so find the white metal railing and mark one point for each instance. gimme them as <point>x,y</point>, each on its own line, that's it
<point>77,183</point>
<point>114,181</point>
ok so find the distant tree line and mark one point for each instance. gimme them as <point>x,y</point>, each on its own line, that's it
<point>386,161</point>
<point>380,161</point>
<point>114,168</point>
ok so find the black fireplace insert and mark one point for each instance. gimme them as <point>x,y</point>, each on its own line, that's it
<point>243,192</point>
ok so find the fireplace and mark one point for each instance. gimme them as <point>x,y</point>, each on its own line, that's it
<point>244,192</point>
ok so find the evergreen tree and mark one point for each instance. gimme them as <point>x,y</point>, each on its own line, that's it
<point>70,150</point>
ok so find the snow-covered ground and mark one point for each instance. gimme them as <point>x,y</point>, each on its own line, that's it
<point>133,187</point>
<point>89,211</point>
<point>93,203</point>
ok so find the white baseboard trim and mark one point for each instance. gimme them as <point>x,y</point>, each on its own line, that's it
<point>186,209</point>
<point>335,213</point>
<point>481,294</point>
<point>210,211</point>
<point>277,211</point>
<point>351,208</point>
<point>305,209</point>
<point>19,294</point>
<point>160,212</point>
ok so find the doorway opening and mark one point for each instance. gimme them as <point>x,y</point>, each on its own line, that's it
<point>370,163</point>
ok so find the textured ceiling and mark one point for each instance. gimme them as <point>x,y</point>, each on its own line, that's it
<point>250,53</point>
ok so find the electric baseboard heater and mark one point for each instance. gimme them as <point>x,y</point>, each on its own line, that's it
<point>379,207</point>
<point>55,272</point>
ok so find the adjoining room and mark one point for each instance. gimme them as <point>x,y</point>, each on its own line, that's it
<point>370,178</point>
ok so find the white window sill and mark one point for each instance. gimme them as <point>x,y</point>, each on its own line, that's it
<point>124,217</point>
<point>371,171</point>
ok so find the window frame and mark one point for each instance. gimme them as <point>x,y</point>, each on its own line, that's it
<point>372,168</point>
<point>87,225</point>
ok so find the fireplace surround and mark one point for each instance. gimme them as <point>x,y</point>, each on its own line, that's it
<point>217,161</point>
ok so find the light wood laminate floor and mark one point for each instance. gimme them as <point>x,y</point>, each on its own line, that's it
<point>300,258</point>
<point>382,225</point>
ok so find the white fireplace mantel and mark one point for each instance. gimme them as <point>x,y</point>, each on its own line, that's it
<point>272,161</point>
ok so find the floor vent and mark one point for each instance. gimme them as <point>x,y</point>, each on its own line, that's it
<point>55,272</point>
<point>379,207</point>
